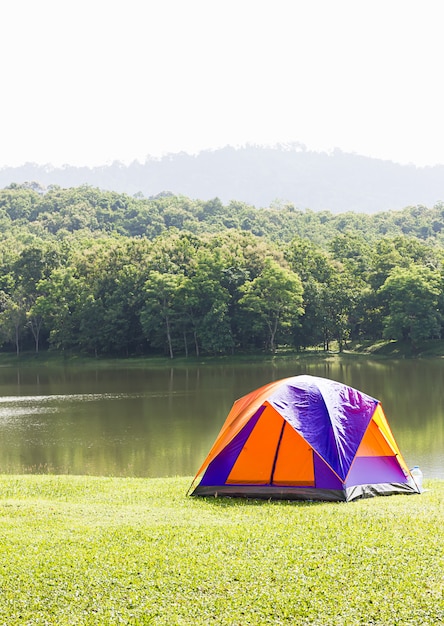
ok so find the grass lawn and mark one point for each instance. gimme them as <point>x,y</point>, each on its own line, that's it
<point>108,551</point>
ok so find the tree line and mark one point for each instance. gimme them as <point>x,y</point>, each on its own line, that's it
<point>102,273</point>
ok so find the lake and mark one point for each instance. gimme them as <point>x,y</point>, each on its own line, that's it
<point>154,422</point>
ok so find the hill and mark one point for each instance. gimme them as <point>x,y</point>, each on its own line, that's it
<point>259,176</point>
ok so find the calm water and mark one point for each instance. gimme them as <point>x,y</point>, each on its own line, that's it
<point>162,422</point>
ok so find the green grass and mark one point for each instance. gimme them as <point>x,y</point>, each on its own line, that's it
<point>399,349</point>
<point>82,550</point>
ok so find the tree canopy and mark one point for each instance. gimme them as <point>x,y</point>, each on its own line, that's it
<point>103,273</point>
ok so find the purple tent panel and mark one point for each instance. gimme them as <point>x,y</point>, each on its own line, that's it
<point>330,416</point>
<point>375,469</point>
<point>324,477</point>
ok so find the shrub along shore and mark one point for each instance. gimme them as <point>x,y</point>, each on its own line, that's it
<point>86,550</point>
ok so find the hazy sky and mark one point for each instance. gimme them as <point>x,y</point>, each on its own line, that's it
<point>86,82</point>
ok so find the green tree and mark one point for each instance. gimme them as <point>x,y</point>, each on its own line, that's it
<point>110,318</point>
<point>161,308</point>
<point>338,301</point>
<point>354,252</point>
<point>308,261</point>
<point>59,305</point>
<point>12,317</point>
<point>122,304</point>
<point>412,296</point>
<point>395,252</point>
<point>33,265</point>
<point>315,269</point>
<point>205,304</point>
<point>274,300</point>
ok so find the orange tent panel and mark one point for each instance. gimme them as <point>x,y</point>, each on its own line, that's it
<point>294,464</point>
<point>383,425</point>
<point>373,444</point>
<point>254,465</point>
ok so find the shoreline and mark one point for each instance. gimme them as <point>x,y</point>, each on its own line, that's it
<point>378,351</point>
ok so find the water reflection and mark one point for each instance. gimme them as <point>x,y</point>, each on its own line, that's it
<point>160,422</point>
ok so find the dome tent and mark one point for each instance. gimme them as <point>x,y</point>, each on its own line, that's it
<point>305,438</point>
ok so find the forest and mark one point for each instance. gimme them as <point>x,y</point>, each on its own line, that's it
<point>101,273</point>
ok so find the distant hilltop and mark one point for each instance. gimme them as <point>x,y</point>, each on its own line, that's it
<point>259,176</point>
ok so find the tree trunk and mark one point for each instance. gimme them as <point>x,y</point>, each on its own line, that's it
<point>196,343</point>
<point>17,343</point>
<point>35,326</point>
<point>273,330</point>
<point>170,345</point>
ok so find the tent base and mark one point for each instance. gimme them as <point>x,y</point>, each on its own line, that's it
<point>270,492</point>
<point>381,489</point>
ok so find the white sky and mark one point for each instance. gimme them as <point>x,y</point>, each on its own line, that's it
<point>86,82</point>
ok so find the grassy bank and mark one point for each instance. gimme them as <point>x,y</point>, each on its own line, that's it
<point>82,550</point>
<point>380,349</point>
